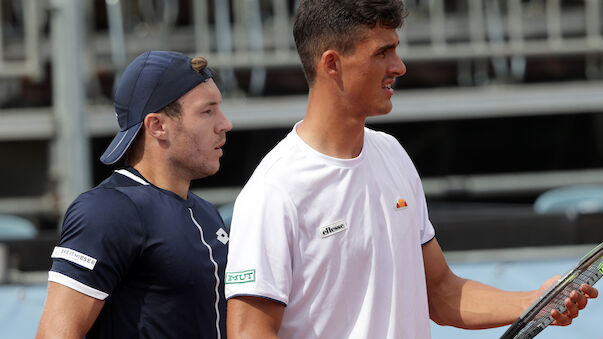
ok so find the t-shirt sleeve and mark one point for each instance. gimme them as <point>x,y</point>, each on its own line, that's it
<point>100,240</point>
<point>259,258</point>
<point>426,228</point>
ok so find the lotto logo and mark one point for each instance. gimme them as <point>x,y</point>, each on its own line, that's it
<point>222,236</point>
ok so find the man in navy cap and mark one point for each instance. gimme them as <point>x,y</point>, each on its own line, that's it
<point>140,256</point>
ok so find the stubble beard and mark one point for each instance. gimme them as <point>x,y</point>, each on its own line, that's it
<point>193,164</point>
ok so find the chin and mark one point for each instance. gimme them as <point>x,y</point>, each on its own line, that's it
<point>381,112</point>
<point>213,170</point>
<point>205,171</point>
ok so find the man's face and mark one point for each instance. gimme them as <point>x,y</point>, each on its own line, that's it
<point>198,135</point>
<point>369,72</point>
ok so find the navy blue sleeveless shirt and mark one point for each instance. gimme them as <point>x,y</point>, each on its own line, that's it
<point>156,259</point>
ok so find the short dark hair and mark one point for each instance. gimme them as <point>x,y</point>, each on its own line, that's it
<point>338,24</point>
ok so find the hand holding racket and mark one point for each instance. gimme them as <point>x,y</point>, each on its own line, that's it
<point>538,316</point>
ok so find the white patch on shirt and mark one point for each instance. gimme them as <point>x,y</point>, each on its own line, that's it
<point>74,256</point>
<point>336,227</point>
<point>239,277</point>
<point>222,235</point>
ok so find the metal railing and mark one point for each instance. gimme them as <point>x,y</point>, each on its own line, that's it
<point>20,39</point>
<point>256,34</point>
<point>435,29</point>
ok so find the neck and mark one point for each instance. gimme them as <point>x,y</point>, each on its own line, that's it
<point>332,128</point>
<point>163,176</point>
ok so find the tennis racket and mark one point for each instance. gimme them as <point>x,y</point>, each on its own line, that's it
<point>538,316</point>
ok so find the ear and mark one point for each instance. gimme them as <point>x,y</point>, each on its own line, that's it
<point>154,124</point>
<point>330,63</point>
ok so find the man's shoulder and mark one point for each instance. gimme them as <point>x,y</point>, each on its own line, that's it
<point>100,211</point>
<point>100,202</point>
<point>107,200</point>
<point>380,136</point>
<point>100,196</point>
<point>276,172</point>
<point>130,186</point>
<point>278,159</point>
<point>384,141</point>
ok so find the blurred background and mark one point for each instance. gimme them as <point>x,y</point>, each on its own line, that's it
<point>501,110</point>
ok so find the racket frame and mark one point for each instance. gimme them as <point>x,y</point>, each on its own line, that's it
<point>584,263</point>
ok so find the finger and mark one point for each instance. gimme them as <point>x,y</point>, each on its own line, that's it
<point>560,319</point>
<point>589,291</point>
<point>579,299</point>
<point>571,306</point>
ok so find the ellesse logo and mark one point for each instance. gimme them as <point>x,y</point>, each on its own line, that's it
<point>401,204</point>
<point>336,227</point>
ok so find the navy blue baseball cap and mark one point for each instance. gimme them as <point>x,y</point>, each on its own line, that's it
<point>152,81</point>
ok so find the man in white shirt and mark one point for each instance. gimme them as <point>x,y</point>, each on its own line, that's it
<point>331,238</point>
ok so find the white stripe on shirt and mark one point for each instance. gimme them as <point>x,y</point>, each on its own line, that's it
<point>131,176</point>
<point>76,285</point>
<point>211,257</point>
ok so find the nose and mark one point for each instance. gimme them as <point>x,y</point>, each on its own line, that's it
<point>225,125</point>
<point>398,68</point>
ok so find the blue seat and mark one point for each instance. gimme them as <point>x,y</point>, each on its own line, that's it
<point>16,228</point>
<point>576,199</point>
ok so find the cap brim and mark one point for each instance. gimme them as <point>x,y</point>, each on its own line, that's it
<point>120,144</point>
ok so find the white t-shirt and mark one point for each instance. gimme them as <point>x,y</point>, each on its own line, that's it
<point>338,241</point>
